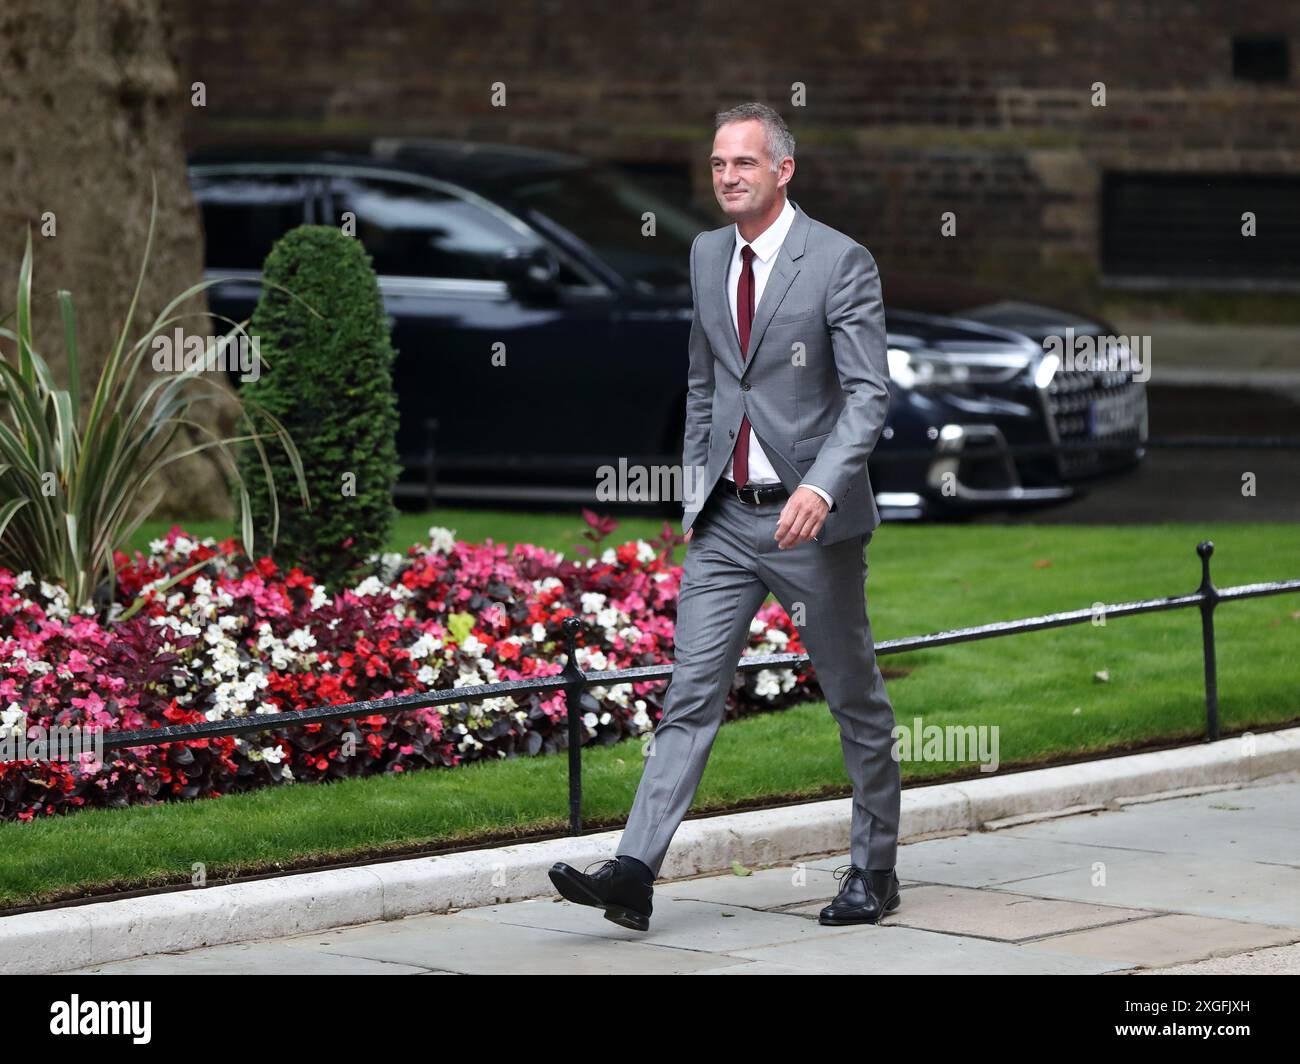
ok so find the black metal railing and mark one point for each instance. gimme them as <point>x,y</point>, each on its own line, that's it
<point>573,680</point>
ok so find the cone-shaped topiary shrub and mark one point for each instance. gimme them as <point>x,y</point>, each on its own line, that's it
<point>326,376</point>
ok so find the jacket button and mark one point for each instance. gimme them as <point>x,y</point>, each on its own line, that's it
<point>744,386</point>
<point>731,433</point>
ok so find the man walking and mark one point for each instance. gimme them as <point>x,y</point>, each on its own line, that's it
<point>788,392</point>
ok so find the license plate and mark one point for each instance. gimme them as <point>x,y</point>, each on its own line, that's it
<point>1113,414</point>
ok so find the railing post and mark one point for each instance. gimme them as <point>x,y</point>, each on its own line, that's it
<point>1209,599</point>
<point>574,676</point>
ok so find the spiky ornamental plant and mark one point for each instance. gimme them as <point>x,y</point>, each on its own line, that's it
<point>328,380</point>
<point>74,484</point>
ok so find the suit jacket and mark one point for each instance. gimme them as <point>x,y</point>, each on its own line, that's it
<point>816,383</point>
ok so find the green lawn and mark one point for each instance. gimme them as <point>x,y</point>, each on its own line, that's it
<point>1039,689</point>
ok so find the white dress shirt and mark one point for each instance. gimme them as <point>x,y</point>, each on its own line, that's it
<point>765,245</point>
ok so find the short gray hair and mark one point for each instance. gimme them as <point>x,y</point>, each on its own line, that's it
<point>780,143</point>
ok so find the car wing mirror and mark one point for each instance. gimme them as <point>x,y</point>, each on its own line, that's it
<point>530,271</point>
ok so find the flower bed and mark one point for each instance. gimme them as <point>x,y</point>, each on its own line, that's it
<point>240,637</point>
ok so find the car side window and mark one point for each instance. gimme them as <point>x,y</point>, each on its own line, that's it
<point>412,231</point>
<point>244,214</point>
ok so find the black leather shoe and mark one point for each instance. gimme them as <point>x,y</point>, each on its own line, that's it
<point>623,895</point>
<point>864,898</point>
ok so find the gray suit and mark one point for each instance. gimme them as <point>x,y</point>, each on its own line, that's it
<point>815,389</point>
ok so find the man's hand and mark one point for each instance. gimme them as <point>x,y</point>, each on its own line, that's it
<point>801,518</point>
<point>689,533</point>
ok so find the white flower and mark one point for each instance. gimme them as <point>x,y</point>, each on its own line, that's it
<point>318,597</point>
<point>592,602</point>
<point>301,639</point>
<point>539,632</point>
<point>12,720</point>
<point>371,585</point>
<point>767,684</point>
<point>441,540</point>
<point>426,645</point>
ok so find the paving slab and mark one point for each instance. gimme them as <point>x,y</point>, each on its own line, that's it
<point>251,958</point>
<point>680,923</point>
<point>995,914</point>
<point>767,888</point>
<point>1167,940</point>
<point>463,943</point>
<point>985,859</point>
<point>875,950</point>
<point>758,968</point>
<point>1222,888</point>
<point>1279,960</point>
<point>1260,824</point>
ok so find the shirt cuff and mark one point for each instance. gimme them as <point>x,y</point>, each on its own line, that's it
<point>812,487</point>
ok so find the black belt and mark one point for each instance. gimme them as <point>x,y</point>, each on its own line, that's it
<point>753,496</point>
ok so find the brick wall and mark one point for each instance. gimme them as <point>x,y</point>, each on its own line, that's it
<point>912,108</point>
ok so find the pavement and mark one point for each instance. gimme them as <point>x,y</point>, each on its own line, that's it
<point>1196,884</point>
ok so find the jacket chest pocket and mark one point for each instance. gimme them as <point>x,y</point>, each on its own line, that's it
<point>794,314</point>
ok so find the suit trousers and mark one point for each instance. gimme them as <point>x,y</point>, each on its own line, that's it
<point>732,563</point>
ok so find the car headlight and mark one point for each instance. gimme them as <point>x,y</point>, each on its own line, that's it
<point>925,367</point>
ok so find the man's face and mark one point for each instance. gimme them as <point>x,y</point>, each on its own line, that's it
<point>743,179</point>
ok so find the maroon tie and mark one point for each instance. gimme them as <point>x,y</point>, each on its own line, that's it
<point>745,318</point>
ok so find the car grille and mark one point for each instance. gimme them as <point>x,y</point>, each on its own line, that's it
<point>1095,406</point>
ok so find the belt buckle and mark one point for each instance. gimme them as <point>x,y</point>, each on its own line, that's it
<point>739,491</point>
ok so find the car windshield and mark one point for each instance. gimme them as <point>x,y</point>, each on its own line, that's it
<point>605,209</point>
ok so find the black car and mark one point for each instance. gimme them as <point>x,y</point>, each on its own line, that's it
<point>539,258</point>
